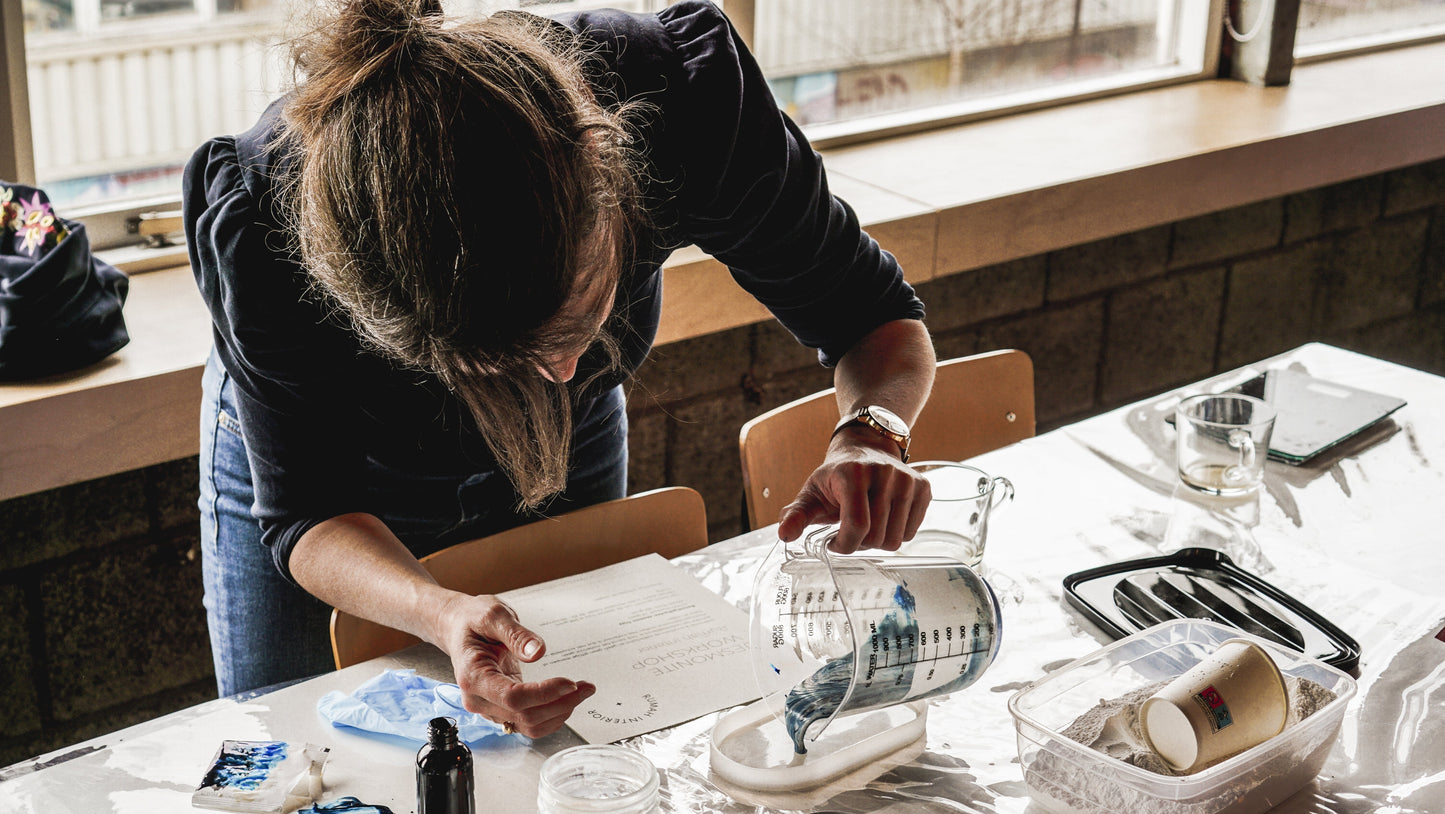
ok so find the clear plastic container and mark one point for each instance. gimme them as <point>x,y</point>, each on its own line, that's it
<point>1066,777</point>
<point>597,779</point>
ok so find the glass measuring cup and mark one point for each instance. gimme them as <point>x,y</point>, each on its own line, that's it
<point>841,634</point>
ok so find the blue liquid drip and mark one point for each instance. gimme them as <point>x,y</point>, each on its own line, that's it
<point>247,769</point>
<point>819,695</point>
<point>816,698</point>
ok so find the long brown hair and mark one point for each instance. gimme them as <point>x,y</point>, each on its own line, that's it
<point>456,185</point>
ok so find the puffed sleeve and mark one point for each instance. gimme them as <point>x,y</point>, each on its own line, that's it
<point>285,362</point>
<point>753,193</point>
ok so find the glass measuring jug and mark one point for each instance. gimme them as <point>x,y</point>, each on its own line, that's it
<point>841,634</point>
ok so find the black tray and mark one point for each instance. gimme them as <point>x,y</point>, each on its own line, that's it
<point>1202,583</point>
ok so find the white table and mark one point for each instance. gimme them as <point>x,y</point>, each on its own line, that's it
<point>1359,538</point>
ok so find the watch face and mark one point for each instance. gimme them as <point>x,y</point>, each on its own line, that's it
<point>889,420</point>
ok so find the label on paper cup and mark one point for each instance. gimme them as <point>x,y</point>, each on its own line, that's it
<point>1215,710</point>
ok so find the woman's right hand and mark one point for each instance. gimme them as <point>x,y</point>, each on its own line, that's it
<point>487,645</point>
<point>355,563</point>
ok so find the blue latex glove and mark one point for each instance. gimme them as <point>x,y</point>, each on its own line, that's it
<point>402,703</point>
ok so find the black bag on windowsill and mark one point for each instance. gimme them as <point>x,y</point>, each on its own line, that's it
<point>60,307</point>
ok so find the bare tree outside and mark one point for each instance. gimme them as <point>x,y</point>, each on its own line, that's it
<point>864,57</point>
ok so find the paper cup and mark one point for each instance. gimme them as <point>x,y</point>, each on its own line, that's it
<point>1231,701</point>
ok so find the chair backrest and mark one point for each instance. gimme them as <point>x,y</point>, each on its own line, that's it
<point>979,403</point>
<point>670,522</point>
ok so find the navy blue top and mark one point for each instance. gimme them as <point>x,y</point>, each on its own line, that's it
<point>729,173</point>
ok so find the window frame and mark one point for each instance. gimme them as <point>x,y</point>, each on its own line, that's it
<point>111,226</point>
<point>17,156</point>
<point>1199,59</point>
<point>1353,46</point>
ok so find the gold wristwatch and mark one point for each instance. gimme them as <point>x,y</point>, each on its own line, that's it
<point>883,421</point>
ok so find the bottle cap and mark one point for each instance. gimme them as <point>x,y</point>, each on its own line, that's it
<point>442,729</point>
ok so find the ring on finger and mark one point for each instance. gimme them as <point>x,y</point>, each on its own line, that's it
<point>508,728</point>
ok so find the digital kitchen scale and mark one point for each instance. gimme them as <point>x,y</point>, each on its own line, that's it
<point>1314,415</point>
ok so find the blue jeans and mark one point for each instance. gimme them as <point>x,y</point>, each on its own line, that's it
<point>265,630</point>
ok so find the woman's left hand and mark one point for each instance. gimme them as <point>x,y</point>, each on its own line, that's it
<point>877,500</point>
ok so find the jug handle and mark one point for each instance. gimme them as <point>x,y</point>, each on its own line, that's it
<point>815,542</point>
<point>1001,495</point>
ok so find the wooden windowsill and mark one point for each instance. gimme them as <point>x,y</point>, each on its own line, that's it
<point>944,202</point>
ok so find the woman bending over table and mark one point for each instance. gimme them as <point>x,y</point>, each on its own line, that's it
<point>431,267</point>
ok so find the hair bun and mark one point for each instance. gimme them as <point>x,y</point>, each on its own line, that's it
<point>353,42</point>
<point>380,18</point>
<point>397,13</point>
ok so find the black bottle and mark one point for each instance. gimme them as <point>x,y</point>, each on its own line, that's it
<point>444,782</point>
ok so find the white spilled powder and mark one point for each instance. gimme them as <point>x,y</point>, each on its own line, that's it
<point>1112,728</point>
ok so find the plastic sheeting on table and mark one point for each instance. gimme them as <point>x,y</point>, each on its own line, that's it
<point>1356,537</point>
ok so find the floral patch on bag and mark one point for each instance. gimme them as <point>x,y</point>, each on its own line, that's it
<point>33,223</point>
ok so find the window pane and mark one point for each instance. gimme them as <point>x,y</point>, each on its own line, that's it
<point>1326,25</point>
<point>122,91</point>
<point>131,9</point>
<point>48,15</point>
<point>836,60</point>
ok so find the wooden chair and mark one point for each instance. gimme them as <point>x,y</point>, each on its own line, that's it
<point>979,403</point>
<point>670,522</point>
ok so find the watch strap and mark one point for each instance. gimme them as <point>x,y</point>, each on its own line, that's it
<point>864,418</point>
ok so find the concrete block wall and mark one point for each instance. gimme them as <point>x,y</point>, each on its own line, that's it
<point>100,612</point>
<point>1360,265</point>
<point>101,624</point>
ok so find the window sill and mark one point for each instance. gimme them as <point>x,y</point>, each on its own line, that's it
<point>944,202</point>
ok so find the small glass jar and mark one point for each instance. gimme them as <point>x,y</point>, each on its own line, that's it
<point>597,779</point>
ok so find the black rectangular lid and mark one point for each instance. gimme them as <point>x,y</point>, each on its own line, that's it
<point>1202,583</point>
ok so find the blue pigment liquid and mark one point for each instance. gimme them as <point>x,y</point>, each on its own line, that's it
<point>244,766</point>
<point>889,677</point>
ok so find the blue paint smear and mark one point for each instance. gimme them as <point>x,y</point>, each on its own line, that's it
<point>244,765</point>
<point>345,805</point>
<point>816,698</point>
<point>905,601</point>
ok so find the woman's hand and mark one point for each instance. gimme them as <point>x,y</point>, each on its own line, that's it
<point>877,500</point>
<point>487,646</point>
